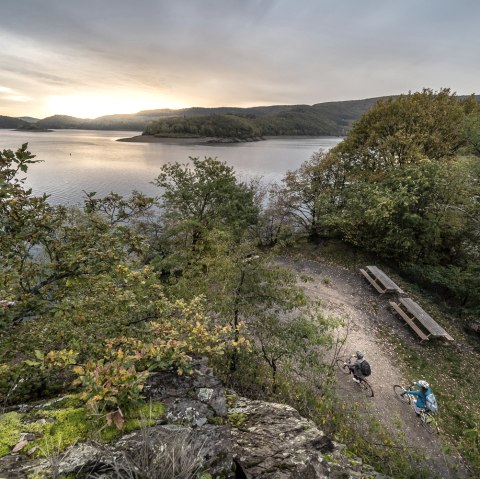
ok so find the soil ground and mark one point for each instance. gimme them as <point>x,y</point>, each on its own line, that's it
<point>369,322</point>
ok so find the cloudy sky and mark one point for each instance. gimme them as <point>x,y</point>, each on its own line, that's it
<point>92,57</point>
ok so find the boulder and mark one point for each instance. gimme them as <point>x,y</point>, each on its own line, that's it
<point>272,441</point>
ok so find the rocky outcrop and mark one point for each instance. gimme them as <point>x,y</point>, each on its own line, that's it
<point>272,441</point>
<point>159,449</point>
<point>194,399</point>
<point>249,439</point>
<point>193,431</point>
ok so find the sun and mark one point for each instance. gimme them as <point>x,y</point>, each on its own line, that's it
<point>95,105</point>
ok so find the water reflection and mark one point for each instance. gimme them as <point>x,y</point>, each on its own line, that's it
<point>77,160</point>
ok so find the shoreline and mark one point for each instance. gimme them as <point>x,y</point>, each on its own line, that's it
<point>207,140</point>
<point>34,130</point>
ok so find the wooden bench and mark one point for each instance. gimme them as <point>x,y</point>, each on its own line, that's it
<point>409,321</point>
<point>380,281</point>
<point>412,313</point>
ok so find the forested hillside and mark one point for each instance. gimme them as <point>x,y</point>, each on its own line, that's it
<point>333,118</point>
<point>324,119</point>
<point>321,119</point>
<point>9,122</point>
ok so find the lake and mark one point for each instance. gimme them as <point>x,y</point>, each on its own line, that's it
<point>91,160</point>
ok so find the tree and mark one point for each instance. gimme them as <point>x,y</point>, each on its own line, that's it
<point>394,186</point>
<point>201,197</point>
<point>472,127</point>
<point>310,194</point>
<point>44,248</point>
<point>244,287</point>
<point>295,343</point>
<point>299,195</point>
<point>412,215</point>
<point>118,209</point>
<point>241,284</point>
<point>89,300</point>
<point>404,184</point>
<point>403,130</point>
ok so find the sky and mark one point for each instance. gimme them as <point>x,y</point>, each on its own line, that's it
<point>94,57</point>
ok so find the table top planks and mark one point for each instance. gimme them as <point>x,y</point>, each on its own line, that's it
<point>424,318</point>
<point>383,279</point>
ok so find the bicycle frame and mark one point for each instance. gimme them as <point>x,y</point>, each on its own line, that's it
<point>364,385</point>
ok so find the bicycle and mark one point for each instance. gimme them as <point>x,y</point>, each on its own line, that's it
<point>427,418</point>
<point>363,384</point>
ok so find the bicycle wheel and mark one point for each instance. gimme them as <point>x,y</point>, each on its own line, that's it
<point>429,422</point>
<point>342,366</point>
<point>399,390</point>
<point>366,388</point>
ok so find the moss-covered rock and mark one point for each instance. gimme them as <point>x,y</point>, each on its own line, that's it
<point>237,419</point>
<point>10,429</point>
<point>57,429</point>
<point>141,416</point>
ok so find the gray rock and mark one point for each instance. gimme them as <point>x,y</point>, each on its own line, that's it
<point>273,441</point>
<point>190,399</point>
<point>265,440</point>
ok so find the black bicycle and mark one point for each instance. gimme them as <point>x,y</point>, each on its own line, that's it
<point>362,383</point>
<point>427,418</point>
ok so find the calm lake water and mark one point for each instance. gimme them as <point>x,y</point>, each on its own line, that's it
<point>77,160</point>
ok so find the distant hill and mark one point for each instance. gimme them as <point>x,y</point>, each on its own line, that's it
<point>29,119</point>
<point>330,118</point>
<point>139,121</point>
<point>10,122</point>
<point>62,121</point>
<point>323,119</point>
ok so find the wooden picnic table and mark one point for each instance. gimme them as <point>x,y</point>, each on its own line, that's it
<point>380,281</point>
<point>412,313</point>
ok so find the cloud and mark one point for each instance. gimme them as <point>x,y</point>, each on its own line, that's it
<point>9,94</point>
<point>219,52</point>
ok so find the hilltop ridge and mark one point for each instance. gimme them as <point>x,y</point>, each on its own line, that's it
<point>334,118</point>
<point>330,118</point>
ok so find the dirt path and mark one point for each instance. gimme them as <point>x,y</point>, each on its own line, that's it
<point>348,296</point>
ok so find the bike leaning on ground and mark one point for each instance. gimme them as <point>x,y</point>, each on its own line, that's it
<point>427,418</point>
<point>363,384</point>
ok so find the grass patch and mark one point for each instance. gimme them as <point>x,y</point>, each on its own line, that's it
<point>452,374</point>
<point>367,438</point>
<point>330,251</point>
<point>142,416</point>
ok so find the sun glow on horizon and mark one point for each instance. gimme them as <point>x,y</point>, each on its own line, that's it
<point>95,105</point>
